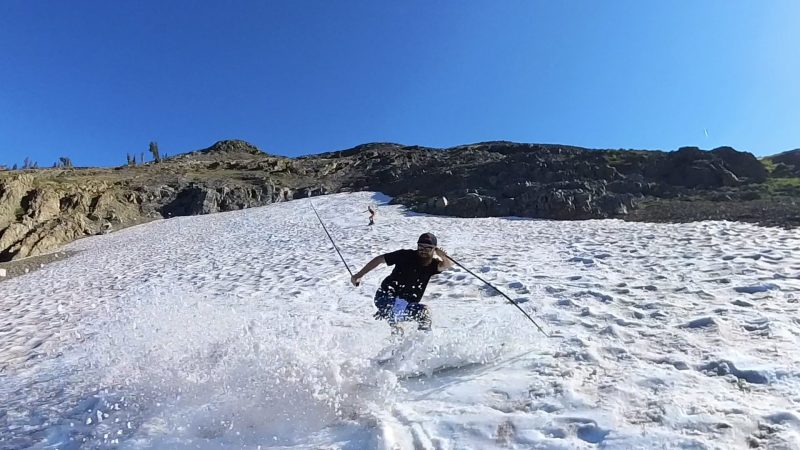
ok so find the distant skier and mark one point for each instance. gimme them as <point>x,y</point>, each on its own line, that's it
<point>398,298</point>
<point>371,215</point>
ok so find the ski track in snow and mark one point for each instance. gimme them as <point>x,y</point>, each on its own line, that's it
<point>241,330</point>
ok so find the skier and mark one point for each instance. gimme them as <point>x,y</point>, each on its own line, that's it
<point>371,215</point>
<point>398,298</point>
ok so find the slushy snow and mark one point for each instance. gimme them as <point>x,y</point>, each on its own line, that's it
<point>242,330</point>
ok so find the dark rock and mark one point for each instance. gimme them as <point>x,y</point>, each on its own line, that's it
<point>616,205</point>
<point>785,171</point>
<point>474,205</point>
<point>196,199</point>
<point>792,158</point>
<point>475,180</point>
<point>721,197</point>
<point>749,195</point>
<point>787,164</point>
<point>742,164</point>
<point>627,187</point>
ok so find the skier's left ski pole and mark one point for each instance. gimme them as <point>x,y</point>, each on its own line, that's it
<point>501,293</point>
<point>329,237</point>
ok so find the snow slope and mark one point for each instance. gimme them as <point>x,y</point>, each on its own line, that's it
<point>241,330</point>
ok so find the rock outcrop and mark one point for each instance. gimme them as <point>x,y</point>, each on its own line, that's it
<point>787,164</point>
<point>37,216</point>
<point>43,209</point>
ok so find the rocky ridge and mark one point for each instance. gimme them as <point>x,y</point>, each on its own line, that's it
<point>41,210</point>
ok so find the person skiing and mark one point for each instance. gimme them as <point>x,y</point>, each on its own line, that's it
<point>371,215</point>
<point>398,299</point>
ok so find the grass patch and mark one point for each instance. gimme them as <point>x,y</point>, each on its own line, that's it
<point>781,186</point>
<point>627,158</point>
<point>768,164</point>
<point>615,157</point>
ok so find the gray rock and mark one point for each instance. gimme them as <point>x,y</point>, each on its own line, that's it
<point>475,180</point>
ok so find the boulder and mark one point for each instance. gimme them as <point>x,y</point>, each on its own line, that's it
<point>12,192</point>
<point>742,164</point>
<point>791,158</point>
<point>473,205</point>
<point>192,200</point>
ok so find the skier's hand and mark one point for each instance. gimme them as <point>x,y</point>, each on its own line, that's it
<point>446,261</point>
<point>355,280</point>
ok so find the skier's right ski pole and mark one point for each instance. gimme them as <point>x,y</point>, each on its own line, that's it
<point>329,237</point>
<point>501,293</point>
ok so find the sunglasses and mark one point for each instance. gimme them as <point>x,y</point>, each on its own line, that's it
<point>425,247</point>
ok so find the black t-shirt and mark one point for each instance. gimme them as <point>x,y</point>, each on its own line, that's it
<point>409,278</point>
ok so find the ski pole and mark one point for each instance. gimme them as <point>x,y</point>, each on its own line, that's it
<point>501,293</point>
<point>329,237</point>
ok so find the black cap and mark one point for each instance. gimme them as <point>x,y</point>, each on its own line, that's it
<point>427,239</point>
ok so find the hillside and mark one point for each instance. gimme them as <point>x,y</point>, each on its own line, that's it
<point>41,210</point>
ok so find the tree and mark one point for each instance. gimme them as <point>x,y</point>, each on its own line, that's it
<point>141,158</point>
<point>131,160</point>
<point>64,162</point>
<point>154,151</point>
<point>14,167</point>
<point>27,163</point>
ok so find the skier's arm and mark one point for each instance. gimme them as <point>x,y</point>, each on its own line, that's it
<point>376,261</point>
<point>445,262</point>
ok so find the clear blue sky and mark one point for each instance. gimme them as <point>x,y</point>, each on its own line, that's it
<point>94,80</point>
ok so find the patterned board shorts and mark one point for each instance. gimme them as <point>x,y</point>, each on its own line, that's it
<point>396,310</point>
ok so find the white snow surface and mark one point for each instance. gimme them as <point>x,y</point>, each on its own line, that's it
<point>242,330</point>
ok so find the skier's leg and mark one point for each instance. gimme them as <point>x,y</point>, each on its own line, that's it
<point>421,314</point>
<point>384,303</point>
